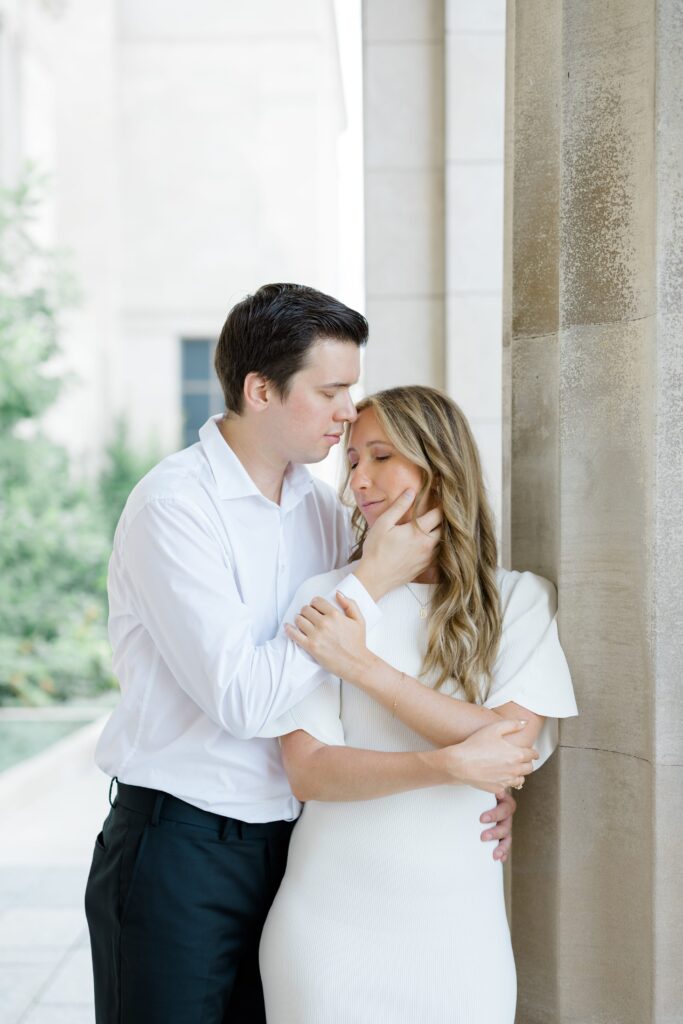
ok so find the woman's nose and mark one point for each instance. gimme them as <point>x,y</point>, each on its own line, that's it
<point>358,479</point>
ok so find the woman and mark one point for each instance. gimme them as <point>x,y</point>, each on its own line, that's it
<point>391,909</point>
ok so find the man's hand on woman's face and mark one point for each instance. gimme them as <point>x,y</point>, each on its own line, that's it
<point>499,825</point>
<point>336,639</point>
<point>395,553</point>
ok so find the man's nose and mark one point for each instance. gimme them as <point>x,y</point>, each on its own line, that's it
<point>346,412</point>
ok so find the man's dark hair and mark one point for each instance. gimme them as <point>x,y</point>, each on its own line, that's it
<point>271,331</point>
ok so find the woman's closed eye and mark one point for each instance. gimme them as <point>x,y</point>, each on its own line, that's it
<point>376,458</point>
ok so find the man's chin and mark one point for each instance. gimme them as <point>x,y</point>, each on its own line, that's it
<point>311,458</point>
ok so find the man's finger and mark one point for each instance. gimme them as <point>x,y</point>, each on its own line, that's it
<point>350,607</point>
<point>323,606</point>
<point>505,808</point>
<point>296,635</point>
<point>502,850</point>
<point>498,813</point>
<point>395,510</point>
<point>304,625</point>
<point>311,613</point>
<point>504,796</point>
<point>498,832</point>
<point>429,521</point>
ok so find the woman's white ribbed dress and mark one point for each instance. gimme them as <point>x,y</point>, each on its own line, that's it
<point>391,911</point>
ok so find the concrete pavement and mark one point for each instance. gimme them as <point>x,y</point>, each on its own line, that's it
<point>50,812</point>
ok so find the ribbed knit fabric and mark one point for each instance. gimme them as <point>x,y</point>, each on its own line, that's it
<point>391,911</point>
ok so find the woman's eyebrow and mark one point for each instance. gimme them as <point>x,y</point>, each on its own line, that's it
<point>368,444</point>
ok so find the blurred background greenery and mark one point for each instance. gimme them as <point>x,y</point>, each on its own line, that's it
<point>56,526</point>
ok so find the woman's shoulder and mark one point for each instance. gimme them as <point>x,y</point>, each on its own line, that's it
<point>319,585</point>
<point>525,593</point>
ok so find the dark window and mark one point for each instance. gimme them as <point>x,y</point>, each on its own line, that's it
<point>201,393</point>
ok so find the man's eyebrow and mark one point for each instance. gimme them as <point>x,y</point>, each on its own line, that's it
<point>338,384</point>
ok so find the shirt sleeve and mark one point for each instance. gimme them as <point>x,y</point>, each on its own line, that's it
<point>531,669</point>
<point>186,596</point>
<point>320,712</point>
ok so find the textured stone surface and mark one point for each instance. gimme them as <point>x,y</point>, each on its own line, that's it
<point>607,160</point>
<point>605,389</point>
<point>594,389</point>
<point>668,912</point>
<point>581,931</point>
<point>668,501</point>
<point>534,480</point>
<point>533,155</point>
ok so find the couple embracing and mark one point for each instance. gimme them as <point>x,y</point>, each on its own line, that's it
<point>383,672</point>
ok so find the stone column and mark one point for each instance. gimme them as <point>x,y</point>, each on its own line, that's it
<point>403,48</point>
<point>434,105</point>
<point>474,129</point>
<point>594,493</point>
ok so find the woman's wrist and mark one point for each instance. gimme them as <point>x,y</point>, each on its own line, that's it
<point>443,766</point>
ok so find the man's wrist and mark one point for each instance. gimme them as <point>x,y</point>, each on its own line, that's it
<point>366,672</point>
<point>368,573</point>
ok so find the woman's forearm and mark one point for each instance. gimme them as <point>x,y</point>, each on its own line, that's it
<point>434,715</point>
<point>320,772</point>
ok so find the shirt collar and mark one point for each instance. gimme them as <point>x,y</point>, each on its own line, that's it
<point>232,479</point>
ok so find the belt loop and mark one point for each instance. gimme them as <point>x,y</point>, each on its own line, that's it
<point>156,810</point>
<point>111,786</point>
<point>225,828</point>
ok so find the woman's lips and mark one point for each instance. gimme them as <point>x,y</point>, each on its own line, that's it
<point>370,504</point>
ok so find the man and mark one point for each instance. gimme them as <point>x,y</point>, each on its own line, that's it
<point>210,548</point>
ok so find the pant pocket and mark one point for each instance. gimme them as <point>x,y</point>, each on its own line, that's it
<point>132,867</point>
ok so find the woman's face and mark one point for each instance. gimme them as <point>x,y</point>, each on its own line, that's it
<point>379,473</point>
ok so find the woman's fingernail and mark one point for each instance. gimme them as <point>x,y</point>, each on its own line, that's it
<point>486,817</point>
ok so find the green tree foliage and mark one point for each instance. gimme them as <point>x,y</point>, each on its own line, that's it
<point>124,466</point>
<point>54,529</point>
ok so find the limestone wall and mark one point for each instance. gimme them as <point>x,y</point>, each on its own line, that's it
<point>593,374</point>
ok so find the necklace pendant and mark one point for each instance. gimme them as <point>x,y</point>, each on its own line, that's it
<point>423,613</point>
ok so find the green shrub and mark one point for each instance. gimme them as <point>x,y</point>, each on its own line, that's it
<point>54,539</point>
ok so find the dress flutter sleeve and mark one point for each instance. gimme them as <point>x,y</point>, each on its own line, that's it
<point>320,712</point>
<point>531,669</point>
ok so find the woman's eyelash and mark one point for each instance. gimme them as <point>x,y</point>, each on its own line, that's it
<point>378,458</point>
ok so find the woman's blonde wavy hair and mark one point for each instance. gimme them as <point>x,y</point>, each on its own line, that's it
<point>430,430</point>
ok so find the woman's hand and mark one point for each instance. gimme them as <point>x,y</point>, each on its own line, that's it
<point>336,639</point>
<point>487,760</point>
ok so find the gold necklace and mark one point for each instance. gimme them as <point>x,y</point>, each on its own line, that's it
<point>423,612</point>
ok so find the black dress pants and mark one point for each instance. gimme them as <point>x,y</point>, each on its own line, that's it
<point>175,901</point>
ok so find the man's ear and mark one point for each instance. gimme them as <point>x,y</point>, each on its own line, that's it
<point>257,392</point>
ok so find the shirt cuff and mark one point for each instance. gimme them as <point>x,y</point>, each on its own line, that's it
<point>352,588</point>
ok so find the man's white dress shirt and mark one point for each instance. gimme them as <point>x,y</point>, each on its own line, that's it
<point>203,570</point>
